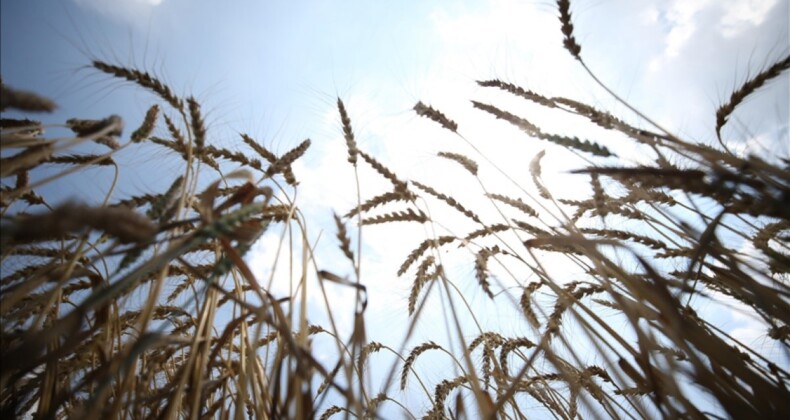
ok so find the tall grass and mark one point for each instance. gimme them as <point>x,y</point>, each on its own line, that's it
<point>144,307</point>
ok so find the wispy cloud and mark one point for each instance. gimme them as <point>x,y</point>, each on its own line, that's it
<point>681,17</point>
<point>134,12</point>
<point>743,14</point>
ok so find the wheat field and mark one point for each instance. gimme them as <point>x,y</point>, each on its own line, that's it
<point>148,307</point>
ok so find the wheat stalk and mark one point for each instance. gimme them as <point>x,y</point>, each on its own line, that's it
<point>429,112</point>
<point>748,87</point>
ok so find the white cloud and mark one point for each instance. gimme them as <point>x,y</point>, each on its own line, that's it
<point>681,17</point>
<point>743,14</point>
<point>650,15</point>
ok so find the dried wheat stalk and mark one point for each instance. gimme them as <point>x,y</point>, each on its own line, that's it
<point>348,133</point>
<point>449,200</point>
<point>415,352</point>
<point>749,87</point>
<point>147,127</point>
<point>429,112</point>
<point>420,250</point>
<point>24,101</point>
<point>464,161</point>
<point>143,79</point>
<point>534,131</point>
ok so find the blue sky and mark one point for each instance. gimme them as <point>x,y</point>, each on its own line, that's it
<point>273,70</point>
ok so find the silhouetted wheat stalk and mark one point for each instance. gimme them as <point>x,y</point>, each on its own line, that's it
<point>749,189</point>
<point>145,307</point>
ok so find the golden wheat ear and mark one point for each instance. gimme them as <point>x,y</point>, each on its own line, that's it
<point>534,131</point>
<point>379,200</point>
<point>348,133</point>
<point>24,100</point>
<point>147,126</point>
<point>450,201</point>
<point>468,164</point>
<point>399,185</point>
<point>569,42</point>
<point>749,87</point>
<point>415,352</point>
<point>342,236</point>
<point>143,79</point>
<point>433,114</point>
<point>125,224</point>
